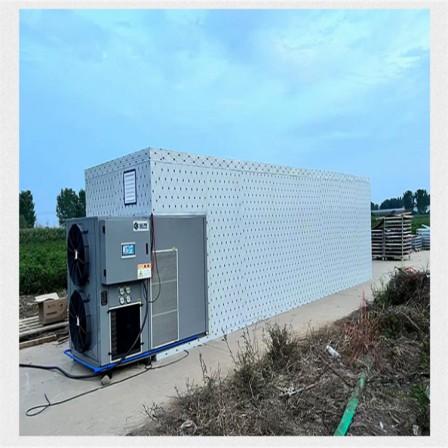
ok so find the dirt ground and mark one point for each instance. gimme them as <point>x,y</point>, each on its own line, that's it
<point>27,307</point>
<point>125,399</point>
<point>297,388</point>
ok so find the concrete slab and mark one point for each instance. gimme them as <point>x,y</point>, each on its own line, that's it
<point>119,408</point>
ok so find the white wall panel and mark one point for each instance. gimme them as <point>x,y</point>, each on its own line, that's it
<point>104,186</point>
<point>277,237</point>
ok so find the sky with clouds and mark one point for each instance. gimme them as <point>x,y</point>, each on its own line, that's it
<point>338,90</point>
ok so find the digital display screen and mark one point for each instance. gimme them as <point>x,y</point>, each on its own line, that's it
<point>128,250</point>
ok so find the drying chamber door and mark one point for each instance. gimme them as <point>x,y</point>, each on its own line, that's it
<point>179,285</point>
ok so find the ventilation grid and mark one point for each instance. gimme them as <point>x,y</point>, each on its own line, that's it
<point>164,311</point>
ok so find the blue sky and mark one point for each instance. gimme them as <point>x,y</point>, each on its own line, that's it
<point>338,90</point>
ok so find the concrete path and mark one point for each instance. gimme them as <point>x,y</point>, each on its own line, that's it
<point>118,409</point>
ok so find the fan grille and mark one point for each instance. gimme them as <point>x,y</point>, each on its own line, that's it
<point>78,255</point>
<point>79,322</point>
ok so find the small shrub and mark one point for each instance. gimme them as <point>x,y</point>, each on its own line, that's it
<point>282,348</point>
<point>43,267</point>
<point>405,288</point>
<point>390,327</point>
<point>420,396</point>
<point>381,299</point>
<point>41,235</point>
<point>249,372</point>
<point>425,355</point>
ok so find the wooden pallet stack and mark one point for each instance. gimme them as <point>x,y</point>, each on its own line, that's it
<point>425,234</point>
<point>32,332</point>
<point>391,237</point>
<point>378,247</point>
<point>416,243</point>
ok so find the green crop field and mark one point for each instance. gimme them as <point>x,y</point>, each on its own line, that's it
<point>43,260</point>
<point>418,221</point>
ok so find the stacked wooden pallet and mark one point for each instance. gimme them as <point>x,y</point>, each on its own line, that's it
<point>425,234</point>
<point>391,237</point>
<point>378,247</point>
<point>31,328</point>
<point>416,243</point>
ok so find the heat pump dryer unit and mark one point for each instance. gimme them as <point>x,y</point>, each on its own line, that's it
<point>128,299</point>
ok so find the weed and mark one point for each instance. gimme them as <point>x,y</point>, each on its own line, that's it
<point>390,327</point>
<point>405,288</point>
<point>282,348</point>
<point>420,396</point>
<point>424,355</point>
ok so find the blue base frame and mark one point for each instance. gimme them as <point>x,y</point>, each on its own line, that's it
<point>68,352</point>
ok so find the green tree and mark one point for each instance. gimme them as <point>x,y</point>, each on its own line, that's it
<point>392,203</point>
<point>81,212</point>
<point>408,200</point>
<point>22,222</point>
<point>70,205</point>
<point>373,206</point>
<point>421,201</point>
<point>26,209</point>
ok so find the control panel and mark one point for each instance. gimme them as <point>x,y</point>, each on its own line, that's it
<point>125,251</point>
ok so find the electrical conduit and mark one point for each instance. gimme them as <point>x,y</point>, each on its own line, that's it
<point>351,407</point>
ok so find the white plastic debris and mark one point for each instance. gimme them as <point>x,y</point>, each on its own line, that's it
<point>188,424</point>
<point>333,352</point>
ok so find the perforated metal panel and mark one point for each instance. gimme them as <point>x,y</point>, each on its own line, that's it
<point>277,237</point>
<point>105,186</point>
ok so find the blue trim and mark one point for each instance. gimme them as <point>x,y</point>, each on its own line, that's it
<point>68,352</point>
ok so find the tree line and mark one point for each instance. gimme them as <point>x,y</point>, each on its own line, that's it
<point>420,200</point>
<point>69,204</point>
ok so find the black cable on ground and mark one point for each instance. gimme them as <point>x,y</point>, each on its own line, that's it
<point>60,369</point>
<point>42,407</point>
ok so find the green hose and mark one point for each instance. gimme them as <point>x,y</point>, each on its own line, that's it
<point>351,407</point>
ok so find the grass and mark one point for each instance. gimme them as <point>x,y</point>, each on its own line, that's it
<point>41,235</point>
<point>419,393</point>
<point>294,387</point>
<point>42,261</point>
<point>418,221</point>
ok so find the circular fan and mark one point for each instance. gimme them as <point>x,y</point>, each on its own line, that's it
<point>78,255</point>
<point>79,322</point>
